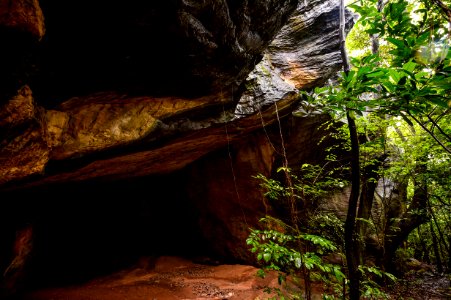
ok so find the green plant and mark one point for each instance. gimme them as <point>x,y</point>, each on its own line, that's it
<point>309,185</point>
<point>295,254</point>
<point>370,288</point>
<point>300,254</point>
<point>406,82</point>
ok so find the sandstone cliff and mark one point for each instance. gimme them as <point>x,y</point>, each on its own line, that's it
<point>99,92</point>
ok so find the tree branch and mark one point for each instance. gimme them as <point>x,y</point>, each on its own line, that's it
<point>445,9</point>
<point>435,124</point>
<point>430,133</point>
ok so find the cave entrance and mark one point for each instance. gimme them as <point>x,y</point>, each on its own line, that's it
<point>83,230</point>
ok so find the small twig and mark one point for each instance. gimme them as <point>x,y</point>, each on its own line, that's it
<point>430,133</point>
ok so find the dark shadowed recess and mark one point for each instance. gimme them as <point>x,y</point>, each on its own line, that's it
<point>17,61</point>
<point>94,228</point>
<point>130,46</point>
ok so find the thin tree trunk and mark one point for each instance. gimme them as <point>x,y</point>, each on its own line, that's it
<point>438,259</point>
<point>375,37</point>
<point>352,249</point>
<point>353,255</point>
<point>449,254</point>
<point>445,9</point>
<point>370,175</point>
<point>424,254</point>
<point>369,184</point>
<point>440,234</point>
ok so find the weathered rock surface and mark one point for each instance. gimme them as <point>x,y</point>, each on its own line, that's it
<point>97,134</point>
<point>109,124</point>
<point>225,191</point>
<point>306,51</point>
<point>21,28</point>
<point>22,15</point>
<point>24,150</point>
<point>184,48</point>
<point>19,110</point>
<point>304,54</point>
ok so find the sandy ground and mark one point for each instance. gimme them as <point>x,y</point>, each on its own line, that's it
<point>175,278</point>
<point>169,278</point>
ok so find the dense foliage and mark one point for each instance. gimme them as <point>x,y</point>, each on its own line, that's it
<point>398,93</point>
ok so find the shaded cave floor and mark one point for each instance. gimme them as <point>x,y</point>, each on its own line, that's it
<point>167,278</point>
<point>175,278</point>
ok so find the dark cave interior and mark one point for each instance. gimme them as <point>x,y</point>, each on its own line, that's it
<point>83,230</point>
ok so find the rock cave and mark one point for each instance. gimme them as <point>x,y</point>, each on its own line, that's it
<point>134,129</point>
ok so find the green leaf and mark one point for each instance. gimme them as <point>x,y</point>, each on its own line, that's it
<point>267,256</point>
<point>308,265</point>
<point>281,278</point>
<point>375,74</point>
<point>394,75</point>
<point>363,70</point>
<point>338,274</point>
<point>438,101</point>
<point>398,43</point>
<point>298,262</point>
<point>375,271</point>
<point>409,66</point>
<point>390,276</point>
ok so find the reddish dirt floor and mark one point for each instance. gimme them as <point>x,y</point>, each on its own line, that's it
<point>175,278</point>
<point>169,278</point>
